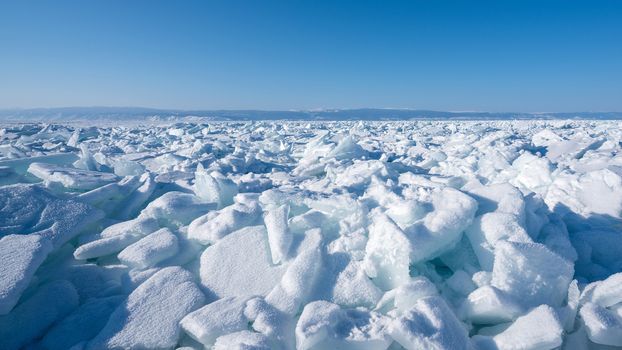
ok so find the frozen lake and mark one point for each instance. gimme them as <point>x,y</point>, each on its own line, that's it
<point>311,235</point>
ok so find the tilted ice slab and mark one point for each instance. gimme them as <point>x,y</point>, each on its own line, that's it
<point>430,324</point>
<point>603,326</point>
<point>82,324</point>
<point>538,329</point>
<point>216,319</point>
<point>531,273</point>
<point>150,316</point>
<point>211,227</point>
<point>31,319</point>
<point>176,208</point>
<point>26,209</point>
<point>20,256</point>
<point>150,250</point>
<point>77,179</point>
<point>240,265</point>
<point>116,237</point>
<point>391,249</point>
<point>323,325</point>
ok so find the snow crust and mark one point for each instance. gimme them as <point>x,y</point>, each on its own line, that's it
<point>312,235</point>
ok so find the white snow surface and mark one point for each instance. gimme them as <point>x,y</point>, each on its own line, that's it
<point>286,235</point>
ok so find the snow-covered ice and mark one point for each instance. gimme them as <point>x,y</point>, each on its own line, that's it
<point>20,256</point>
<point>150,250</point>
<point>240,265</point>
<point>286,235</point>
<point>150,317</point>
<point>216,319</point>
<point>33,317</point>
<point>538,329</point>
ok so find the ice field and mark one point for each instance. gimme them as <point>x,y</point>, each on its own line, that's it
<point>312,235</point>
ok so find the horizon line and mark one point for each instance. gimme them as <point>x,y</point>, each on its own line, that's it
<point>309,110</point>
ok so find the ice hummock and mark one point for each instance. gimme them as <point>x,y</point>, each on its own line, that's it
<point>295,235</point>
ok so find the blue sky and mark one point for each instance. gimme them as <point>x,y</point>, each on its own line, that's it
<point>444,55</point>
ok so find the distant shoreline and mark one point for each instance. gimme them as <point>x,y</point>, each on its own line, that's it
<point>378,114</point>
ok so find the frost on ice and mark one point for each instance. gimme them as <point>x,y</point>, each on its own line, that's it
<point>312,235</point>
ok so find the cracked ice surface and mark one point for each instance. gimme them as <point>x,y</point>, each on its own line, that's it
<point>320,235</point>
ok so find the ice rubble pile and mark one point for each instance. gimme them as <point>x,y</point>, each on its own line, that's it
<point>369,235</point>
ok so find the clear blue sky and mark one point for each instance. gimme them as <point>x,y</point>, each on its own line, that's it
<point>523,55</point>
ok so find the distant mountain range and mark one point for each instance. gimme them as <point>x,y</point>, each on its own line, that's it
<point>149,114</point>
